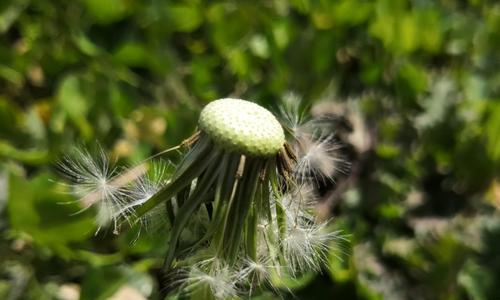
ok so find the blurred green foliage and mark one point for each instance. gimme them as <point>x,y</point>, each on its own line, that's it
<point>414,84</point>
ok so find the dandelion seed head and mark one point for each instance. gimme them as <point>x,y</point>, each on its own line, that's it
<point>240,205</point>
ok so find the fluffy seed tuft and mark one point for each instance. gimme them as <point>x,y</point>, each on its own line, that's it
<point>306,246</point>
<point>319,158</point>
<point>96,182</point>
<point>214,275</point>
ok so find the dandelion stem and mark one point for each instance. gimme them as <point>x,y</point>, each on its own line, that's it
<point>220,204</point>
<point>189,169</point>
<point>240,207</point>
<point>229,181</point>
<point>251,233</point>
<point>186,211</point>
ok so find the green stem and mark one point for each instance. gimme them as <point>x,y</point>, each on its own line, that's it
<point>192,166</point>
<point>229,182</point>
<point>219,204</point>
<point>251,233</point>
<point>240,207</point>
<point>203,186</point>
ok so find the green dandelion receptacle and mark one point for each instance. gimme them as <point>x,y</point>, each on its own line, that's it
<point>242,126</point>
<point>245,186</point>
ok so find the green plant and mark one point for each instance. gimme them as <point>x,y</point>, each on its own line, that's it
<point>246,190</point>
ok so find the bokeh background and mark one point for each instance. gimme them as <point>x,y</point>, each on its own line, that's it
<point>413,87</point>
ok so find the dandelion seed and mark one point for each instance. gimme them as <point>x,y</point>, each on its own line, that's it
<point>299,201</point>
<point>306,246</point>
<point>97,183</point>
<point>148,184</point>
<point>319,158</point>
<point>256,272</point>
<point>141,190</point>
<point>214,275</point>
<point>291,114</point>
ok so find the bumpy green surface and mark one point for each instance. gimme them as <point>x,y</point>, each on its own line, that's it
<point>239,125</point>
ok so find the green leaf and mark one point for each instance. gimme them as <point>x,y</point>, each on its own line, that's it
<point>9,15</point>
<point>476,280</point>
<point>415,76</point>
<point>71,97</point>
<point>74,103</point>
<point>132,54</point>
<point>11,75</point>
<point>39,208</point>
<point>31,157</point>
<point>107,11</point>
<point>86,45</point>
<point>492,132</point>
<point>352,11</point>
<point>11,118</point>
<point>185,17</point>
<point>102,283</point>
